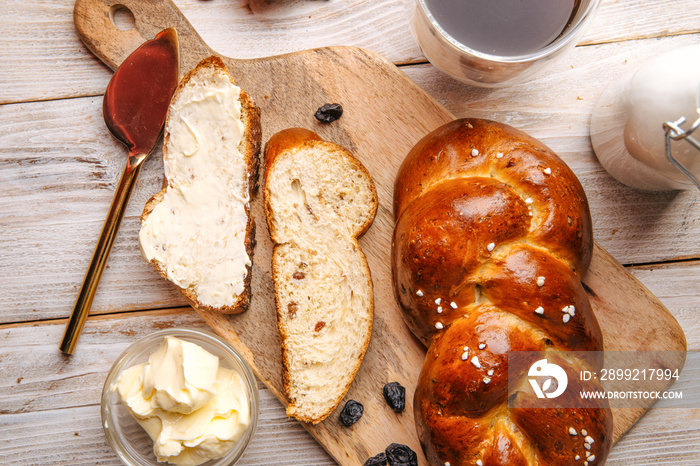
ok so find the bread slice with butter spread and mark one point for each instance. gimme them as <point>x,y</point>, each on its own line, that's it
<point>197,232</point>
<point>318,200</point>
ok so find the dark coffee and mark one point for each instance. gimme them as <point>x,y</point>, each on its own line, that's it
<point>503,27</point>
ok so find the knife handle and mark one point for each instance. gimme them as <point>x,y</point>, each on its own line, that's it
<point>99,259</point>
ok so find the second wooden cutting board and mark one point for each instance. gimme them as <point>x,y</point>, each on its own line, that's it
<point>385,115</point>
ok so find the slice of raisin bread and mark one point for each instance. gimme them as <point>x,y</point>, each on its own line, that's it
<point>318,200</point>
<point>198,232</point>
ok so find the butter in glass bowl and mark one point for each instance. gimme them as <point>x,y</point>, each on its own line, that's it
<point>180,396</point>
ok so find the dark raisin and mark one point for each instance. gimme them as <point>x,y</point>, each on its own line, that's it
<point>401,455</point>
<point>311,211</point>
<point>298,275</point>
<point>319,326</point>
<point>329,113</point>
<point>395,396</point>
<point>376,460</point>
<point>292,309</point>
<point>351,413</point>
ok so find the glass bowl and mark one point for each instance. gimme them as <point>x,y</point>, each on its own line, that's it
<point>128,439</point>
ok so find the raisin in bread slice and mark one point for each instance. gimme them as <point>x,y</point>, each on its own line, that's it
<point>318,200</point>
<point>198,232</point>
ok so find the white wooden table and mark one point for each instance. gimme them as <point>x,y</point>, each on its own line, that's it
<point>59,167</point>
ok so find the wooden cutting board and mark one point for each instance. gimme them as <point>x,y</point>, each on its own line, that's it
<point>385,115</point>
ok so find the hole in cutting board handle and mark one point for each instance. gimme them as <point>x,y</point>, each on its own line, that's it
<point>122,17</point>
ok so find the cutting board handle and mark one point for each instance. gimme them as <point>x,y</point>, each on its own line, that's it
<point>94,21</point>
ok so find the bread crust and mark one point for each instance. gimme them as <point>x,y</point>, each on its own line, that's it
<point>287,142</point>
<point>492,236</point>
<point>250,148</point>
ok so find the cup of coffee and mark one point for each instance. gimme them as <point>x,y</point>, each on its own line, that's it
<point>497,43</point>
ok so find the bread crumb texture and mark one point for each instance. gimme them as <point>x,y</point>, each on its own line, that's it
<point>320,199</point>
<point>320,194</point>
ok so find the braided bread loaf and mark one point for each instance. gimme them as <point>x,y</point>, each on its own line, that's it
<point>492,236</point>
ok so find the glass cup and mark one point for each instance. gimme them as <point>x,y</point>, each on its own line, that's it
<point>486,70</point>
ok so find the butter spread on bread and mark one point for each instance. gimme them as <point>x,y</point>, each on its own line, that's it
<point>318,200</point>
<point>198,232</point>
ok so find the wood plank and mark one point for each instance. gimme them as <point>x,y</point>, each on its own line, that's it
<point>639,19</point>
<point>67,436</point>
<point>676,286</point>
<point>39,40</point>
<point>41,56</point>
<point>663,436</point>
